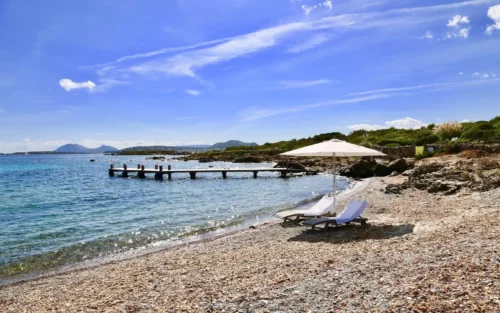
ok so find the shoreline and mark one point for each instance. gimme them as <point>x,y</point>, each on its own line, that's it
<point>420,250</point>
<point>162,245</point>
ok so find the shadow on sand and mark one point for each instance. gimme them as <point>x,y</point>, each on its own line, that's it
<point>351,233</point>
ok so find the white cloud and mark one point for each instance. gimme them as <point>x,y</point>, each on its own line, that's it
<point>309,8</point>
<point>461,33</point>
<point>460,73</point>
<point>69,85</point>
<point>364,127</point>
<point>257,113</point>
<point>185,61</point>
<point>457,20</point>
<point>484,75</point>
<point>303,83</point>
<point>192,92</point>
<point>313,42</point>
<point>466,121</point>
<point>428,35</point>
<point>494,14</point>
<point>404,123</point>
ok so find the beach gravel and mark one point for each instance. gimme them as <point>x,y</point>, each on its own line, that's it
<point>421,252</point>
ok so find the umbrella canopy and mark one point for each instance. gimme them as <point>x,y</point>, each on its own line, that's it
<point>334,148</point>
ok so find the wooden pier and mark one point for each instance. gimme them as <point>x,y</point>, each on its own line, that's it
<point>159,171</point>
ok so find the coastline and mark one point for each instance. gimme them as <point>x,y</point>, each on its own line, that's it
<point>253,220</point>
<point>418,250</point>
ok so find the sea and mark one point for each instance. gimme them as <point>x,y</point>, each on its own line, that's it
<point>62,211</point>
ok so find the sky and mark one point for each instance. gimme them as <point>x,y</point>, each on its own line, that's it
<point>173,72</point>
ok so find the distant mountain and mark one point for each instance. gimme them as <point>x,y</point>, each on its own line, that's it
<point>168,148</point>
<point>232,143</point>
<point>75,148</point>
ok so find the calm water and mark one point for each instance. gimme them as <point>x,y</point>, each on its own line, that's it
<point>57,210</point>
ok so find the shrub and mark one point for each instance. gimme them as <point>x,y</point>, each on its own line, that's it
<point>427,140</point>
<point>448,130</point>
<point>450,147</point>
<point>393,145</point>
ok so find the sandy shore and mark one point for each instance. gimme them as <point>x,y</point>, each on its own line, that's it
<point>421,253</point>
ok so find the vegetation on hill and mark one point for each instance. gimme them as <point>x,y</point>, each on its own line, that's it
<point>468,131</point>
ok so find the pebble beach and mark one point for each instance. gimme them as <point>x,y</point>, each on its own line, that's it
<point>420,252</point>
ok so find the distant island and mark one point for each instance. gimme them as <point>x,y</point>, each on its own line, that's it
<point>76,148</point>
<point>173,150</point>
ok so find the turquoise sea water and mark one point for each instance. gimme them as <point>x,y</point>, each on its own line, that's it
<point>62,209</point>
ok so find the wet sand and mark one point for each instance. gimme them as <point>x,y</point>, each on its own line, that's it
<point>420,252</point>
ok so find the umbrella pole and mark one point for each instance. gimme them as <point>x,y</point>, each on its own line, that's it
<point>334,183</point>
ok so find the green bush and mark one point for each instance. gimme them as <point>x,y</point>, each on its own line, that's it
<point>450,147</point>
<point>427,140</point>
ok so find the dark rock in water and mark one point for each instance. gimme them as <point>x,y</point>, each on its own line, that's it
<point>399,165</point>
<point>290,165</point>
<point>92,160</point>
<point>162,158</point>
<point>395,173</point>
<point>210,166</point>
<point>247,159</point>
<point>381,170</point>
<point>360,169</point>
<point>205,160</point>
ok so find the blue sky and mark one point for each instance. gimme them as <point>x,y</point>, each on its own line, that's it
<point>181,72</point>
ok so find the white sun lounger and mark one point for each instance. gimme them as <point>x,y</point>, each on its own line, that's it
<point>351,213</point>
<point>322,207</point>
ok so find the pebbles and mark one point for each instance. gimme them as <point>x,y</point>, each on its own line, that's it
<point>420,252</point>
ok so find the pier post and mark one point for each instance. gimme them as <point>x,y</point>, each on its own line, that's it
<point>193,175</point>
<point>283,174</point>
<point>169,167</point>
<point>255,174</point>
<point>159,175</point>
<point>111,173</point>
<point>124,173</point>
<point>224,175</point>
<point>141,174</point>
<point>156,166</point>
<point>138,166</point>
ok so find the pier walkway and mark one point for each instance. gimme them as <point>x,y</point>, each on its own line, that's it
<point>159,171</point>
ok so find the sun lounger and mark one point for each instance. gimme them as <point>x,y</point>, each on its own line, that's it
<point>352,213</point>
<point>322,207</point>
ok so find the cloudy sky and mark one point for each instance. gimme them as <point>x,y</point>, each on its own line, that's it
<point>190,71</point>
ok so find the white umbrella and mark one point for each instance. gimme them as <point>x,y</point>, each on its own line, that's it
<point>334,148</point>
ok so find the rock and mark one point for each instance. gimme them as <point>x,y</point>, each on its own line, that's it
<point>92,160</point>
<point>162,158</point>
<point>291,165</point>
<point>395,173</point>
<point>360,169</point>
<point>438,186</point>
<point>394,188</point>
<point>206,160</point>
<point>247,159</point>
<point>381,170</point>
<point>399,165</point>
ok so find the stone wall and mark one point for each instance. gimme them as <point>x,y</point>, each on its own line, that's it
<point>397,152</point>
<point>486,147</point>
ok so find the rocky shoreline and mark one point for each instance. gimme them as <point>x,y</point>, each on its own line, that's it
<point>422,251</point>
